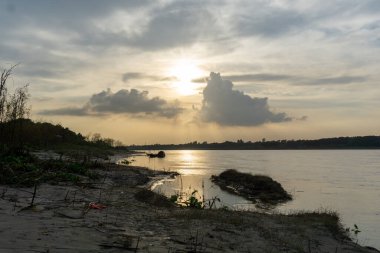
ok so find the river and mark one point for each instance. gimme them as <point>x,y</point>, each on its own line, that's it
<point>345,181</point>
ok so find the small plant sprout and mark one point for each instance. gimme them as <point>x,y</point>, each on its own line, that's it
<point>193,201</point>
<point>355,230</point>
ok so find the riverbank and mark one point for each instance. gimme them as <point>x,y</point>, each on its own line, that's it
<point>61,221</point>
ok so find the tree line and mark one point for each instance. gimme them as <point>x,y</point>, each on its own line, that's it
<point>356,142</point>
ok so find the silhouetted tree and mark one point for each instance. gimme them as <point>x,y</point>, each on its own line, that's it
<point>12,107</point>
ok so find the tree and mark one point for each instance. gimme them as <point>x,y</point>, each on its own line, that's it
<point>96,137</point>
<point>12,107</point>
<point>16,105</point>
<point>4,92</point>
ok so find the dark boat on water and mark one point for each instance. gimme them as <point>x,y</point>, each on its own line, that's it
<point>160,154</point>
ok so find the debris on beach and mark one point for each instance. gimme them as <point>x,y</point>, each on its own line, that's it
<point>94,205</point>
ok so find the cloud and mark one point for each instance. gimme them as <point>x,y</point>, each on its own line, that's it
<point>71,111</point>
<point>371,6</point>
<point>71,13</point>
<point>228,107</point>
<point>257,77</point>
<point>291,79</point>
<point>122,102</point>
<point>137,75</point>
<point>270,21</point>
<point>161,27</point>
<point>250,78</point>
<point>337,80</point>
<point>177,24</point>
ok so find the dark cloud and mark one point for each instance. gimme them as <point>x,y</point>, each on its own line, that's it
<point>257,77</point>
<point>371,6</point>
<point>290,79</point>
<point>180,23</point>
<point>122,102</point>
<point>250,78</point>
<point>46,31</point>
<point>225,106</point>
<point>63,14</point>
<point>137,75</point>
<point>249,88</point>
<point>133,75</point>
<point>337,80</point>
<point>268,21</point>
<point>71,111</point>
<point>176,24</point>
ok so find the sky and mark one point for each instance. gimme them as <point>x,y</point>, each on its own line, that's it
<point>165,71</point>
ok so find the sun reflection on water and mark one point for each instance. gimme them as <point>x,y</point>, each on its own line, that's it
<point>190,163</point>
<point>187,156</point>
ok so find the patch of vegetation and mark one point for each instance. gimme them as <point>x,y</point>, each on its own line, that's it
<point>328,218</point>
<point>23,169</point>
<point>18,135</point>
<point>257,188</point>
<point>236,218</point>
<point>153,198</point>
<point>23,132</point>
<point>192,201</point>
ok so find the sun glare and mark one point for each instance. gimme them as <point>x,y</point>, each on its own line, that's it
<point>187,156</point>
<point>185,71</point>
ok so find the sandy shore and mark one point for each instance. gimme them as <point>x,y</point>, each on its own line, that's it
<point>61,221</point>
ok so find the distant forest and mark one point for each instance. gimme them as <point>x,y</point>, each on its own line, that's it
<point>357,142</point>
<point>25,132</point>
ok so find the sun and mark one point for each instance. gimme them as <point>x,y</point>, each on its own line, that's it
<point>185,71</point>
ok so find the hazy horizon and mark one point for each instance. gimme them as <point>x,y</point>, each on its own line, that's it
<point>165,71</point>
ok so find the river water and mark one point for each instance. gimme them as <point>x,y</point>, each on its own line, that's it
<point>345,181</point>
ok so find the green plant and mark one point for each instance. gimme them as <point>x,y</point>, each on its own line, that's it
<point>356,230</point>
<point>174,198</point>
<point>77,168</point>
<point>193,201</point>
<point>211,203</point>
